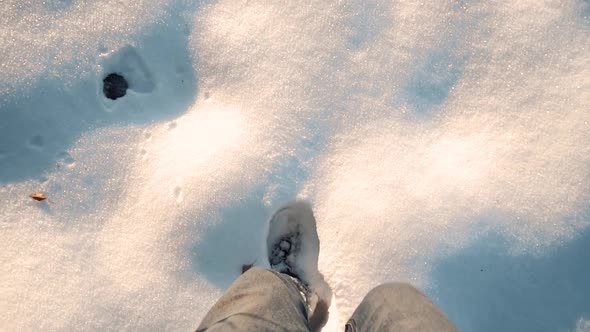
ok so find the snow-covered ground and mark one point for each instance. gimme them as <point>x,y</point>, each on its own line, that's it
<point>444,143</point>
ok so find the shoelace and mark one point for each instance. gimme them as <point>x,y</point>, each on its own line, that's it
<point>309,297</point>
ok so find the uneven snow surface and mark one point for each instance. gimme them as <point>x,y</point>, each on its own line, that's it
<point>443,143</point>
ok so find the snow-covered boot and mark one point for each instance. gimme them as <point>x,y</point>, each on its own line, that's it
<point>293,248</point>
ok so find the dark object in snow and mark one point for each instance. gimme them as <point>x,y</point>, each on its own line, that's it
<point>38,197</point>
<point>246,267</point>
<point>114,86</point>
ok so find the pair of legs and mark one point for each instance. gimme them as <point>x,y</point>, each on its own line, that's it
<point>280,299</point>
<point>265,300</point>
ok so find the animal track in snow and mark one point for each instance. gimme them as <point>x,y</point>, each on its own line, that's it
<point>178,194</point>
<point>65,158</point>
<point>37,142</point>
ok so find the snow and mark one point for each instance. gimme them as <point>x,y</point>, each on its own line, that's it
<point>583,325</point>
<point>444,143</point>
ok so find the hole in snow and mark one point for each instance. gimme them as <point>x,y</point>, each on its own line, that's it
<point>115,86</point>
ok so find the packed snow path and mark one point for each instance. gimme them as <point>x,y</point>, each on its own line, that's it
<point>443,143</point>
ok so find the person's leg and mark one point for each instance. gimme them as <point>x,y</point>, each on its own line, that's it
<point>397,307</point>
<point>260,300</point>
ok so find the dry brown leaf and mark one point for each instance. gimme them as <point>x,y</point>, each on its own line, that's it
<point>38,197</point>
